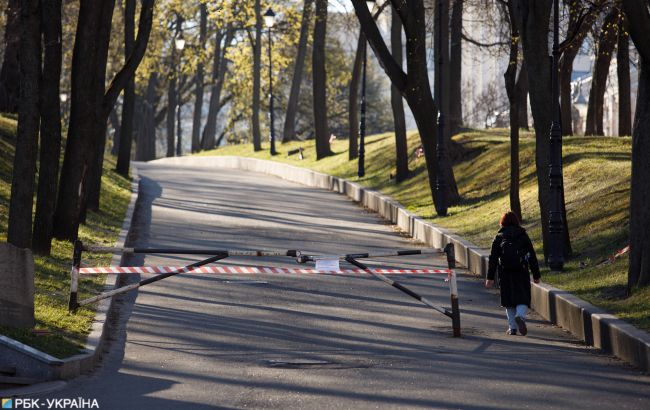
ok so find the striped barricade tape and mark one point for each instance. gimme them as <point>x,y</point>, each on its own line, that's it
<point>255,270</point>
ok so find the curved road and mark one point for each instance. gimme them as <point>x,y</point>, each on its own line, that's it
<point>319,341</point>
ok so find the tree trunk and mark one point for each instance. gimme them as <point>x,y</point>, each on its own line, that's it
<point>115,123</point>
<point>22,183</point>
<point>85,113</point>
<point>414,83</point>
<point>320,82</point>
<point>198,100</point>
<point>442,88</point>
<point>90,201</point>
<point>623,74</point>
<point>50,149</point>
<point>91,104</point>
<point>353,98</point>
<point>10,73</point>
<point>639,269</point>
<point>257,73</point>
<point>522,99</point>
<point>401,148</point>
<point>218,74</point>
<point>455,65</point>
<point>289,132</point>
<point>533,21</point>
<point>638,20</point>
<point>146,145</point>
<point>126,132</point>
<point>578,30</point>
<point>514,93</point>
<point>604,50</point>
<point>95,177</point>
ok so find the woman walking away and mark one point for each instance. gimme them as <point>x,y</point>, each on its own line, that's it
<point>513,255</point>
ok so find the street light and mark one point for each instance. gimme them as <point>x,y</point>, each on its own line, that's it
<point>269,20</point>
<point>180,42</point>
<point>441,185</point>
<point>556,223</point>
<point>362,122</point>
<point>63,97</point>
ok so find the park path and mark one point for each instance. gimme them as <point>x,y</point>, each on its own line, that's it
<point>212,341</point>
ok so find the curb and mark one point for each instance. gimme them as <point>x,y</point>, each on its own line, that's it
<point>587,322</point>
<point>31,362</point>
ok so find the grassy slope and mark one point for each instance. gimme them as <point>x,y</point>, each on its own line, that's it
<point>67,333</point>
<point>597,180</point>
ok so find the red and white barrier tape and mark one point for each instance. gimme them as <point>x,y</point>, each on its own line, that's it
<point>253,270</point>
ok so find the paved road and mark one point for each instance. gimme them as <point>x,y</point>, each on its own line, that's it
<point>197,341</point>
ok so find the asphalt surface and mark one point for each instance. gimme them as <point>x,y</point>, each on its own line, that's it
<point>198,341</point>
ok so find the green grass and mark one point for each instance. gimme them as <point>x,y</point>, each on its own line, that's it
<point>66,332</point>
<point>597,182</point>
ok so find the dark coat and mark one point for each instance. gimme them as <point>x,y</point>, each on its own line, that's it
<point>514,284</point>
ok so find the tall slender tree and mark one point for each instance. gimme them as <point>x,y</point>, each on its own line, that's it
<point>128,106</point>
<point>401,148</point>
<point>514,94</point>
<point>414,83</point>
<point>219,68</point>
<point>581,19</point>
<point>532,18</point>
<point>146,144</point>
<point>22,183</point>
<point>638,19</point>
<point>50,149</point>
<point>92,103</point>
<point>604,51</point>
<point>289,132</point>
<point>198,79</point>
<point>455,65</point>
<point>10,72</point>
<point>320,81</point>
<point>443,89</point>
<point>623,76</point>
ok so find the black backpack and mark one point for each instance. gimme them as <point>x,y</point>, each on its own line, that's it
<point>512,256</point>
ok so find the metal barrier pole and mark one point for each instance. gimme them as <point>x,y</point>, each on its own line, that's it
<point>311,258</point>
<point>74,274</point>
<point>455,311</point>
<point>453,289</point>
<point>156,278</point>
<point>398,286</point>
<point>175,251</point>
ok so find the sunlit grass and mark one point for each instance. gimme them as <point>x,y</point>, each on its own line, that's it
<point>67,332</point>
<point>597,183</point>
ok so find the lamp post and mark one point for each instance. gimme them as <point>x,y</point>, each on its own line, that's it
<point>556,223</point>
<point>362,121</point>
<point>269,20</point>
<point>179,43</point>
<point>441,185</point>
<point>63,98</point>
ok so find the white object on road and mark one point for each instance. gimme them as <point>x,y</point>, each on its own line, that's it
<point>329,265</point>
